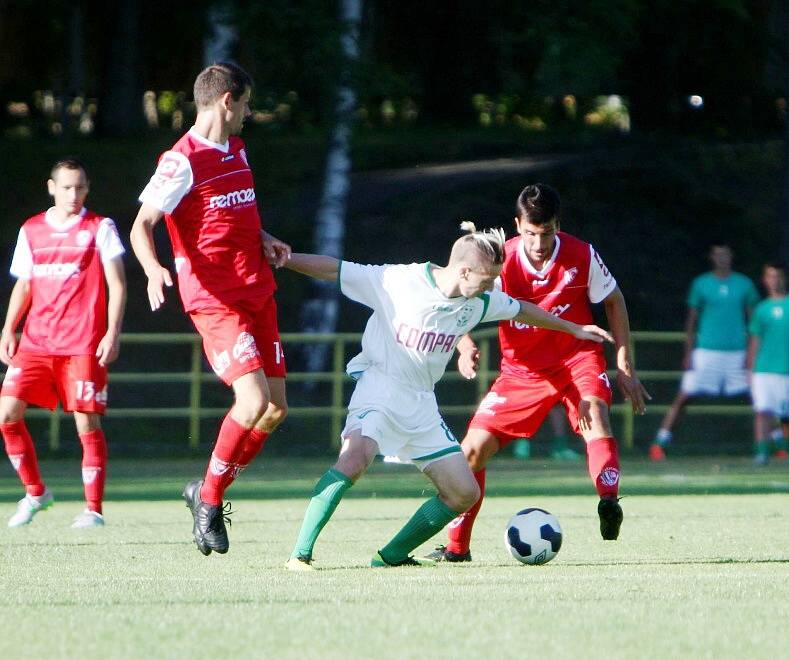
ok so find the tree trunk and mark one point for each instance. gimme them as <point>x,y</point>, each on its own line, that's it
<point>221,39</point>
<point>319,314</point>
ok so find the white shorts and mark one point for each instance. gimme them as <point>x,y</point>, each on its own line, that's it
<point>405,423</point>
<point>771,393</point>
<point>719,373</point>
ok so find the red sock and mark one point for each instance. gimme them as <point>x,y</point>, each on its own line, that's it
<point>603,459</point>
<point>460,528</point>
<point>252,447</point>
<point>22,453</point>
<point>227,450</point>
<point>94,467</point>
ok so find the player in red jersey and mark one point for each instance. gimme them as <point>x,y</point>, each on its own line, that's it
<point>61,260</point>
<point>540,368</point>
<point>203,187</point>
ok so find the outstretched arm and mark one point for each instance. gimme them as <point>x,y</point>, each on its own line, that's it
<point>314,265</point>
<point>17,308</point>
<point>533,315</point>
<point>618,321</point>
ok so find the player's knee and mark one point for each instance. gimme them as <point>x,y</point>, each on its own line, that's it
<point>7,416</point>
<point>274,416</point>
<point>249,408</point>
<point>462,497</point>
<point>86,423</point>
<point>352,464</point>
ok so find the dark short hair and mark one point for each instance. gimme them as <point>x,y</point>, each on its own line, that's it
<point>538,204</point>
<point>67,163</point>
<point>218,79</point>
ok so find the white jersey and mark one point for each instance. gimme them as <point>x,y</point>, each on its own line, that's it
<point>414,329</point>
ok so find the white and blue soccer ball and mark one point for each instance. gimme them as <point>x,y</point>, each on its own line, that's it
<point>533,536</point>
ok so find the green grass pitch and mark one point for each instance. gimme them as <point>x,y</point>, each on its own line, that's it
<point>701,569</point>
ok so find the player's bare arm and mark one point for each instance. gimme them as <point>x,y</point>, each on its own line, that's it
<point>690,336</point>
<point>141,238</point>
<point>18,305</point>
<point>531,314</point>
<point>276,251</point>
<point>109,346</point>
<point>626,378</point>
<point>315,265</point>
<point>753,349</point>
<point>468,357</point>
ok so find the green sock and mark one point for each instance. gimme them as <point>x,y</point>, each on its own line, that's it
<point>429,519</point>
<point>325,497</point>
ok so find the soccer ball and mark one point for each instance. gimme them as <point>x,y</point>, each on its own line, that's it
<point>533,536</point>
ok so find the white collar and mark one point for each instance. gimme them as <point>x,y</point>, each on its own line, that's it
<point>224,148</point>
<point>50,219</point>
<point>546,266</point>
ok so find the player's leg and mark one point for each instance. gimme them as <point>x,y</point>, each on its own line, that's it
<point>267,339</point>
<point>205,497</point>
<point>22,454</point>
<point>766,401</point>
<point>81,383</point>
<point>479,446</point>
<point>602,454</point>
<point>665,433</point>
<point>356,455</point>
<point>94,468</point>
<point>457,491</point>
<point>29,380</point>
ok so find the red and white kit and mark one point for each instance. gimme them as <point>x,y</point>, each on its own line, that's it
<point>541,367</point>
<point>207,194</point>
<point>68,312</point>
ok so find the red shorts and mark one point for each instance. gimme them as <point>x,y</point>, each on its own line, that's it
<point>240,339</point>
<point>516,405</point>
<point>79,382</point>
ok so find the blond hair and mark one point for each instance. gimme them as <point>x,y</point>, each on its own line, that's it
<point>489,243</point>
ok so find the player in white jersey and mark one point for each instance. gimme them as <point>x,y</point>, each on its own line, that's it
<point>420,312</point>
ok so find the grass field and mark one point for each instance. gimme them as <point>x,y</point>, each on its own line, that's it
<point>701,570</point>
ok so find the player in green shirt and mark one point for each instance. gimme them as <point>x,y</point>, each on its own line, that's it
<point>768,358</point>
<point>719,304</point>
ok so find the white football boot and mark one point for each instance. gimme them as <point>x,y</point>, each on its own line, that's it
<point>28,507</point>
<point>88,519</point>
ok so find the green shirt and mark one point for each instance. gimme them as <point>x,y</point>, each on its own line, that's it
<point>770,323</point>
<point>722,305</point>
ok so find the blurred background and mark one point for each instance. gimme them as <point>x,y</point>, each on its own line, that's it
<point>377,126</point>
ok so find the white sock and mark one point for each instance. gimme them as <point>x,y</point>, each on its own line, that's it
<point>663,436</point>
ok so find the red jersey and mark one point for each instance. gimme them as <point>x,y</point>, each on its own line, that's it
<point>68,309</point>
<point>573,277</point>
<point>207,194</point>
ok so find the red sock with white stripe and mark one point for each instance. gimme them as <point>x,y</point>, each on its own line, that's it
<point>94,467</point>
<point>253,445</point>
<point>461,527</point>
<point>603,461</point>
<point>227,450</point>
<point>22,454</point>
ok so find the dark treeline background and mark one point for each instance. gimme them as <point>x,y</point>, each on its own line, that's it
<point>654,52</point>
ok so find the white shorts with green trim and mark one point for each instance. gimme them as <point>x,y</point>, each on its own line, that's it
<point>404,423</point>
<point>717,373</point>
<point>771,393</point>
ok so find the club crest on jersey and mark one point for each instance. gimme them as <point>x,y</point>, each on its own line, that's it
<point>83,237</point>
<point>609,476</point>
<point>465,315</point>
<point>778,312</point>
<point>89,474</point>
<point>569,275</point>
<point>245,348</point>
